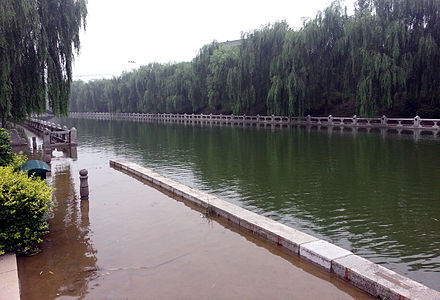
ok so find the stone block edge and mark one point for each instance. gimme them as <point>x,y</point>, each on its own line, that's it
<point>9,281</point>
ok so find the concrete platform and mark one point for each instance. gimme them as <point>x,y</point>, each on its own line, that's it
<point>9,285</point>
<point>372,278</point>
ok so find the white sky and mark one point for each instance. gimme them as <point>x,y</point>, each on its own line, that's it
<point>119,31</point>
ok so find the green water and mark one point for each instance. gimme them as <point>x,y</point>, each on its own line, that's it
<point>376,195</point>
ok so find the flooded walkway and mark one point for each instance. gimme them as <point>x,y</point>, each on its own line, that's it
<point>130,241</point>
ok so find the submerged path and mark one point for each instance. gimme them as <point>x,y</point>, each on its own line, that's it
<point>372,278</point>
<point>132,241</point>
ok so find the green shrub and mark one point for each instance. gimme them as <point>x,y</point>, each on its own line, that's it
<point>17,161</point>
<point>6,155</point>
<point>24,206</point>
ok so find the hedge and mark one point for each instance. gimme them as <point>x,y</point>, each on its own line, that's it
<point>24,207</point>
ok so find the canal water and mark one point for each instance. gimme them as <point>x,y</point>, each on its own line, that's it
<point>132,241</point>
<point>376,195</point>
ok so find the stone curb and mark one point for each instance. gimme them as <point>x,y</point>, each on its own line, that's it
<point>9,284</point>
<point>369,277</point>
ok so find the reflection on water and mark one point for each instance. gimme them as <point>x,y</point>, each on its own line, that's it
<point>67,260</point>
<point>377,195</point>
<point>130,241</point>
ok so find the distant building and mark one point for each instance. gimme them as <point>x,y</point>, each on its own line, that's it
<point>232,43</point>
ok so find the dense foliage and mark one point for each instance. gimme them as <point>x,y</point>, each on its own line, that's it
<point>23,202</point>
<point>37,43</point>
<point>23,209</point>
<point>383,59</point>
<point>6,155</point>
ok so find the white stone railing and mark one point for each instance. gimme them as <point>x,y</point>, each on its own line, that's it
<point>383,122</point>
<point>52,133</point>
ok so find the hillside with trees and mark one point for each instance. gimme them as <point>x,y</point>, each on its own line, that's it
<point>382,59</point>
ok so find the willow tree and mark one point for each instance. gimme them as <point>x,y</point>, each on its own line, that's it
<point>394,57</point>
<point>222,61</point>
<point>37,42</point>
<point>383,59</point>
<point>200,66</point>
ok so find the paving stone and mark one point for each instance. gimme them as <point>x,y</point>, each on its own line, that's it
<point>322,253</point>
<point>7,263</point>
<point>146,177</point>
<point>9,286</point>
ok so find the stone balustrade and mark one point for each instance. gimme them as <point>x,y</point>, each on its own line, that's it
<point>53,134</point>
<point>279,121</point>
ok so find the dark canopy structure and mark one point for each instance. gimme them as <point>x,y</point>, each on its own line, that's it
<point>36,168</point>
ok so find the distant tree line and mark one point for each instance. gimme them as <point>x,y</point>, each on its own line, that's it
<point>383,59</point>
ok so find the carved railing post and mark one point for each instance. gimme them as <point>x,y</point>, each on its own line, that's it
<point>383,121</point>
<point>417,122</point>
<point>330,120</point>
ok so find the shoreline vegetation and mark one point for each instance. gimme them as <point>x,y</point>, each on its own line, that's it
<point>383,59</point>
<point>38,40</point>
<point>25,203</point>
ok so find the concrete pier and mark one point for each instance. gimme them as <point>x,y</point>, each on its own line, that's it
<point>372,278</point>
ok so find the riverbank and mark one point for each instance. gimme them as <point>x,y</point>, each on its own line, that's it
<point>9,279</point>
<point>372,278</point>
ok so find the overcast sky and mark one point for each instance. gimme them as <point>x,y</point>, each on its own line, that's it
<point>119,31</point>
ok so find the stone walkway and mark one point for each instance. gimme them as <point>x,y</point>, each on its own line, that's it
<point>9,286</point>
